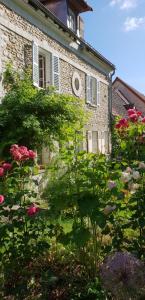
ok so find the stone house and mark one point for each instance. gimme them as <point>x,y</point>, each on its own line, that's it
<point>124,97</point>
<point>48,36</point>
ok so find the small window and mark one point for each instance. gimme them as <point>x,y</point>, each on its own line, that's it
<point>42,71</point>
<point>92,90</point>
<point>71,20</point>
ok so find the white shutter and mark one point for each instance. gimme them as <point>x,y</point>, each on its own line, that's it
<point>89,141</point>
<point>99,141</point>
<point>98,92</point>
<point>103,142</point>
<point>95,141</point>
<point>56,72</point>
<point>35,64</point>
<point>88,89</point>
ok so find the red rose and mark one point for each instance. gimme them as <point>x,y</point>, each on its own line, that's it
<point>2,198</point>
<point>32,210</point>
<point>1,171</point>
<point>131,111</point>
<point>32,154</point>
<point>133,117</point>
<point>7,166</point>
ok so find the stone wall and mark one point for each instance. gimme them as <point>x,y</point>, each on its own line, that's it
<point>16,36</point>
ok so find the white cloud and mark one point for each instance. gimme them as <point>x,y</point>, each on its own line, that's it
<point>133,23</point>
<point>124,4</point>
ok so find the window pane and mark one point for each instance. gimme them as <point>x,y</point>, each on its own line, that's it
<point>42,71</point>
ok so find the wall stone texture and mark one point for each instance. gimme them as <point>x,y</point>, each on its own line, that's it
<point>18,50</point>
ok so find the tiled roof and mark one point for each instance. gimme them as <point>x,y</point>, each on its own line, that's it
<point>133,90</point>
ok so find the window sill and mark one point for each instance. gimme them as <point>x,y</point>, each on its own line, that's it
<point>92,105</point>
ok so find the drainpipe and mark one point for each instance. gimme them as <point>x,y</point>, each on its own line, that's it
<point>111,74</point>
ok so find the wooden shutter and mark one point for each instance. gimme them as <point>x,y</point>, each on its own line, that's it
<point>89,141</point>
<point>98,92</point>
<point>88,89</point>
<point>56,73</point>
<point>106,141</point>
<point>35,64</point>
<point>95,141</point>
<point>99,141</point>
<point>103,142</point>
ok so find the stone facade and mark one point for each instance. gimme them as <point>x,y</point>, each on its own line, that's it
<point>20,26</point>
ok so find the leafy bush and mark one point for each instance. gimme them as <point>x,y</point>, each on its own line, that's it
<point>35,117</point>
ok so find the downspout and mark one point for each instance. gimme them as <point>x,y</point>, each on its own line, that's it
<point>111,74</point>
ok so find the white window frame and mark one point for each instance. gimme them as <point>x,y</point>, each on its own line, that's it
<point>90,92</point>
<point>72,15</point>
<point>52,68</point>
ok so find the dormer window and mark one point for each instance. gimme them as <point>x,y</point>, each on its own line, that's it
<point>71,21</point>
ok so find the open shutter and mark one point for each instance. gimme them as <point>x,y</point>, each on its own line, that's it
<point>35,65</point>
<point>98,92</point>
<point>56,73</point>
<point>88,89</point>
<point>89,141</point>
<point>99,141</point>
<point>103,142</point>
<point>95,141</point>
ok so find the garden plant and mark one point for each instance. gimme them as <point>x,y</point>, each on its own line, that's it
<point>83,236</point>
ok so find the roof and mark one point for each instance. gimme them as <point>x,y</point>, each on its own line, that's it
<point>80,5</point>
<point>38,5</point>
<point>133,90</point>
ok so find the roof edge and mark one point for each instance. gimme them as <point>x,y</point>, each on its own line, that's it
<point>47,13</point>
<point>130,88</point>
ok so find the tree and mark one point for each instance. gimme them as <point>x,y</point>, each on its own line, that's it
<point>35,117</point>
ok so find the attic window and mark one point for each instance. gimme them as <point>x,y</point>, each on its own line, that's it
<point>71,21</point>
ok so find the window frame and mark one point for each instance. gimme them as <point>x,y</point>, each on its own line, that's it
<point>90,92</point>
<point>72,15</point>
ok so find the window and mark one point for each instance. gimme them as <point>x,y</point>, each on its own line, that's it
<point>46,69</point>
<point>71,20</point>
<point>42,71</point>
<point>76,84</point>
<point>92,90</point>
<point>92,141</point>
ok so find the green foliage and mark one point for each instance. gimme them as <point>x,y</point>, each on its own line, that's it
<point>34,117</point>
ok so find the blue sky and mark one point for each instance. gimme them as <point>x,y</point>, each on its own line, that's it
<point>116,28</point>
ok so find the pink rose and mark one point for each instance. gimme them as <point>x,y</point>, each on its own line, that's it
<point>7,166</point>
<point>1,171</point>
<point>143,120</point>
<point>32,210</point>
<point>2,198</point>
<point>24,152</point>
<point>32,154</point>
<point>131,111</point>
<point>14,147</point>
<point>133,117</point>
<point>16,155</point>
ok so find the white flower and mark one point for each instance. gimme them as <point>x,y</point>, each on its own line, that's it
<point>108,209</point>
<point>111,184</point>
<point>136,175</point>
<point>141,165</point>
<point>133,187</point>
<point>128,170</point>
<point>125,177</point>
